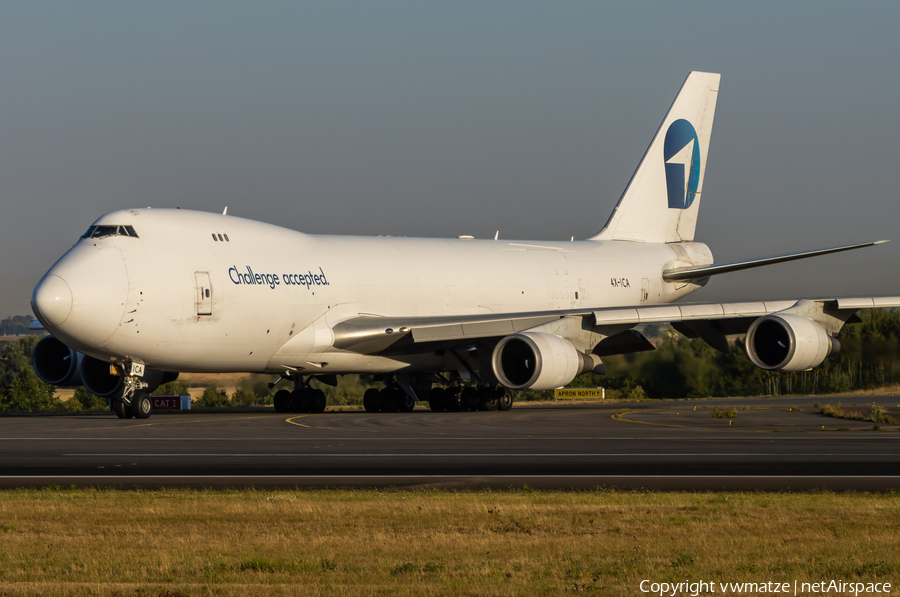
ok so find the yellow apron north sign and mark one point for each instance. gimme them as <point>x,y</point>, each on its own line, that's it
<point>571,393</point>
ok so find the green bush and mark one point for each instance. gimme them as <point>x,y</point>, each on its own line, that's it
<point>636,393</point>
<point>242,397</point>
<point>213,397</point>
<point>20,388</point>
<point>84,400</point>
<point>254,390</point>
<point>350,390</point>
<point>879,416</point>
<point>173,387</point>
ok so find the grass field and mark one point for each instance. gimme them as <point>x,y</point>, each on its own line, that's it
<point>179,542</point>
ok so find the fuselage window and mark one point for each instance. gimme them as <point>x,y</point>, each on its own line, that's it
<point>221,239</point>
<point>214,238</point>
<point>131,231</point>
<point>226,238</point>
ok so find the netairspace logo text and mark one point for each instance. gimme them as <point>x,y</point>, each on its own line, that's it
<point>696,588</point>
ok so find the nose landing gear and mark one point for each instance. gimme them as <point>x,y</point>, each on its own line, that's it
<point>134,400</point>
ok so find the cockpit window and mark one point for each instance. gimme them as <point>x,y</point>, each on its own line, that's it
<point>103,231</point>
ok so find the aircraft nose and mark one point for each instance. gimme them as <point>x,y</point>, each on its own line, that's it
<point>81,299</point>
<point>52,299</point>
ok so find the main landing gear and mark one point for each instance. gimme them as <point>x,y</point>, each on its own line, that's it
<point>303,399</point>
<point>451,399</point>
<point>388,400</point>
<point>469,398</point>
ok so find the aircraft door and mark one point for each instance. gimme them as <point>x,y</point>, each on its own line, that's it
<point>203,292</point>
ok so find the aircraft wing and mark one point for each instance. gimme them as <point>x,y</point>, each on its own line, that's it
<point>710,321</point>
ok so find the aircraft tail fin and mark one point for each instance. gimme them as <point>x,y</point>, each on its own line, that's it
<point>661,201</point>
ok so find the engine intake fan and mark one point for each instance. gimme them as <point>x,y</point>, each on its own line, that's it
<point>55,363</point>
<point>786,342</point>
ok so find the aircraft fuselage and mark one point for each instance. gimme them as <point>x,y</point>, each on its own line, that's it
<point>178,298</point>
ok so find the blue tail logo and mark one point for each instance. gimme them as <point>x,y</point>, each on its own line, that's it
<point>682,156</point>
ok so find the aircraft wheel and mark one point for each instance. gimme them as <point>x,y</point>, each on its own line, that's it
<point>299,402</point>
<point>141,405</point>
<point>469,399</point>
<point>389,400</point>
<point>436,399</point>
<point>452,400</point>
<point>487,399</point>
<point>505,400</point>
<point>122,410</point>
<point>317,401</point>
<point>370,400</point>
<point>282,401</point>
<point>406,402</point>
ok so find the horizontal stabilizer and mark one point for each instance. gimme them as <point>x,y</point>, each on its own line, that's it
<point>704,271</point>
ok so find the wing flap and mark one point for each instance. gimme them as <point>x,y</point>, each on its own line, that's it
<point>668,313</point>
<point>375,334</point>
<point>477,329</point>
<point>867,302</point>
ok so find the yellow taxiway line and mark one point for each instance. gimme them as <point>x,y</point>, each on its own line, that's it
<point>293,422</point>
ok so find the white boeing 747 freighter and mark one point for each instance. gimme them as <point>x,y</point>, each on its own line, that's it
<point>147,293</point>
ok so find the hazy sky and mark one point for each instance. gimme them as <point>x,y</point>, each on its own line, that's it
<point>440,119</point>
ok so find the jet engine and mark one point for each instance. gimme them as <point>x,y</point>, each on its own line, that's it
<point>99,381</point>
<point>786,342</point>
<point>55,363</point>
<point>537,361</point>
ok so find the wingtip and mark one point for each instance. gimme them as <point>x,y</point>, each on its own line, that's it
<point>880,242</point>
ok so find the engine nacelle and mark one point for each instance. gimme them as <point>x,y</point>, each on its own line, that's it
<point>55,363</point>
<point>537,361</point>
<point>99,381</point>
<point>786,342</point>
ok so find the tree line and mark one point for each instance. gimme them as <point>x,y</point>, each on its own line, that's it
<point>16,325</point>
<point>678,368</point>
<point>686,368</point>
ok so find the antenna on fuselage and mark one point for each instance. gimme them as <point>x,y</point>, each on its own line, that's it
<point>225,211</point>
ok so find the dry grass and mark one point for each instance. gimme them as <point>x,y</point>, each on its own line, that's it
<point>98,542</point>
<point>876,414</point>
<point>880,391</point>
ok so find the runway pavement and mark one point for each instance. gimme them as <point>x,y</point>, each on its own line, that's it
<point>768,444</point>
